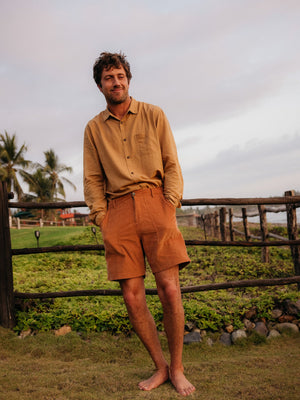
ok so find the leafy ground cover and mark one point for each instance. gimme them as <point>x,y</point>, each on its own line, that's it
<point>76,271</point>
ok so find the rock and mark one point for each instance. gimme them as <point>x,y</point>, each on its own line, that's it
<point>229,328</point>
<point>273,334</point>
<point>286,318</point>
<point>251,313</point>
<point>261,329</point>
<point>276,313</point>
<point>225,339</point>
<point>297,304</point>
<point>287,326</point>
<point>189,326</point>
<point>209,342</point>
<point>237,335</point>
<point>24,334</point>
<point>248,325</point>
<point>192,337</point>
<point>290,307</point>
<point>63,330</point>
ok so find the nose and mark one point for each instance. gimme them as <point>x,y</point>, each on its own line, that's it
<point>116,81</point>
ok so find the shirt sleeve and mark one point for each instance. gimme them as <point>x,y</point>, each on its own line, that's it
<point>93,179</point>
<point>173,180</point>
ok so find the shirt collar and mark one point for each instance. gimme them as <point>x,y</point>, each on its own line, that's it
<point>133,109</point>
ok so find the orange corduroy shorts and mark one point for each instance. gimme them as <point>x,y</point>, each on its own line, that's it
<point>139,224</point>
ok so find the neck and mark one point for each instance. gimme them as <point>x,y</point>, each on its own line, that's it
<point>119,110</point>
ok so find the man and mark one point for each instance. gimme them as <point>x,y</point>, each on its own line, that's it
<point>132,185</point>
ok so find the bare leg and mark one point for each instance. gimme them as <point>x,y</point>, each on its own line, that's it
<point>142,321</point>
<point>169,293</point>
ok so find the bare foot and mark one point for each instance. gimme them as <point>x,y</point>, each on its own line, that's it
<point>160,376</point>
<point>181,384</point>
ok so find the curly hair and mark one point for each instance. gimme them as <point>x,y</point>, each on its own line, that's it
<point>110,60</point>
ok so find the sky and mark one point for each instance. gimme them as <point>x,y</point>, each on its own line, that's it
<point>226,73</point>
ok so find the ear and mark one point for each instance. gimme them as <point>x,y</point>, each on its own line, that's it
<point>100,88</point>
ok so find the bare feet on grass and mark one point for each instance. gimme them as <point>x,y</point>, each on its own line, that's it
<point>181,384</point>
<point>159,377</point>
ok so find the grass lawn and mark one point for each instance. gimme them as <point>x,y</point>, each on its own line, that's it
<point>102,366</point>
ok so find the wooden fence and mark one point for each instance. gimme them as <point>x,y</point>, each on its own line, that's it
<point>7,294</point>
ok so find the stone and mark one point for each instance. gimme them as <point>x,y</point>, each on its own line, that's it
<point>237,335</point>
<point>287,326</point>
<point>248,325</point>
<point>290,307</point>
<point>63,330</point>
<point>189,326</point>
<point>273,334</point>
<point>229,328</point>
<point>251,313</point>
<point>286,318</point>
<point>261,329</point>
<point>209,342</point>
<point>225,339</point>
<point>192,337</point>
<point>276,313</point>
<point>297,304</point>
<point>24,334</point>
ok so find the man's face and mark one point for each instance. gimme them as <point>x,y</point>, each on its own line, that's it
<point>114,85</point>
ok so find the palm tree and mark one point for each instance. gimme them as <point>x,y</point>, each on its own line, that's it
<point>45,183</point>
<point>54,169</point>
<point>40,185</point>
<point>12,161</point>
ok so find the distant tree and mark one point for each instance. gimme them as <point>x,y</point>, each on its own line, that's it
<point>54,169</point>
<point>46,183</point>
<point>12,162</point>
<point>39,185</point>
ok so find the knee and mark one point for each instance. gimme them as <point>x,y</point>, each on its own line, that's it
<point>133,299</point>
<point>169,292</point>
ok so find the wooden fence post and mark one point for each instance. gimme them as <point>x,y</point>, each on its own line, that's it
<point>223,213</point>
<point>216,225</point>
<point>245,223</point>
<point>231,231</point>
<point>7,315</point>
<point>293,233</point>
<point>265,254</point>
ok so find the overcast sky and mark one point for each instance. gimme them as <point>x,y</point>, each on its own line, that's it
<point>226,73</point>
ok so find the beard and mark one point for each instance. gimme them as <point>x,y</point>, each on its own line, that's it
<point>116,98</point>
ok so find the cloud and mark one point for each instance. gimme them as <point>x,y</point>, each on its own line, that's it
<point>203,62</point>
<point>258,169</point>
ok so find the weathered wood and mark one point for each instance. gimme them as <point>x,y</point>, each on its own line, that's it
<point>241,201</point>
<point>216,225</point>
<point>95,247</point>
<point>293,233</point>
<point>187,289</point>
<point>265,254</point>
<point>245,224</point>
<point>7,316</point>
<point>185,202</point>
<point>231,230</point>
<point>223,213</point>
<point>55,204</point>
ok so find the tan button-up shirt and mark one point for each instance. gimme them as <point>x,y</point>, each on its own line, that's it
<point>122,156</point>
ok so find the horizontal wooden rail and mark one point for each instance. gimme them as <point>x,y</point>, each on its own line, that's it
<point>185,202</point>
<point>89,247</point>
<point>187,289</point>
